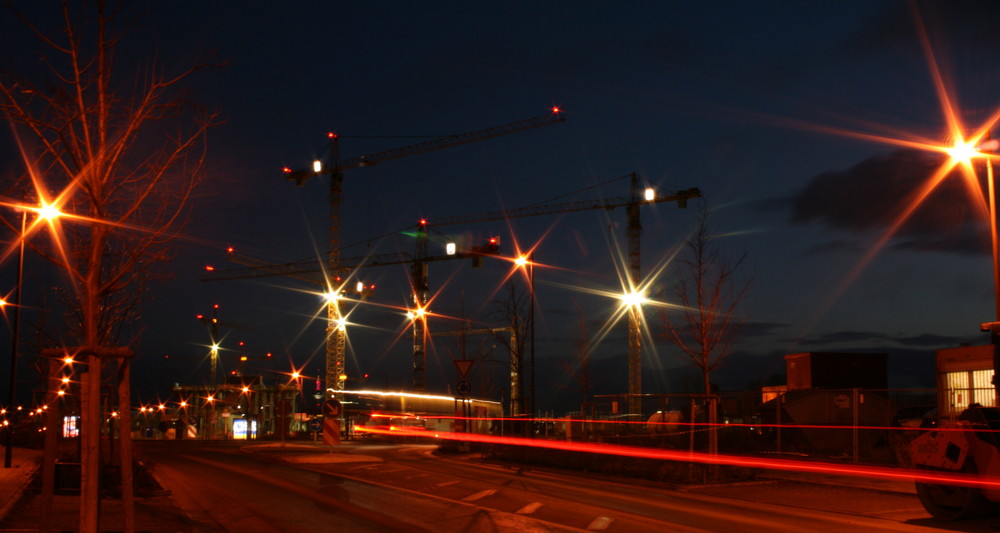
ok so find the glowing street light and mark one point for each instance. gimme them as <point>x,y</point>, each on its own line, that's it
<point>48,212</point>
<point>633,298</point>
<point>416,313</point>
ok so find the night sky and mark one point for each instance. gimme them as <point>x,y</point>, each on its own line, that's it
<point>782,114</point>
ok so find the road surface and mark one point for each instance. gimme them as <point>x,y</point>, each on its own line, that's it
<point>362,488</point>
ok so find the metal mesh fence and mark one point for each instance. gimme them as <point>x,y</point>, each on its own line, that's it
<point>860,425</point>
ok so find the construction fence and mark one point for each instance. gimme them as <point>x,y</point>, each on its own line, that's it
<point>858,425</point>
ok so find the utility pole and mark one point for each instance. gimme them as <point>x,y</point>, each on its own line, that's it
<point>635,318</point>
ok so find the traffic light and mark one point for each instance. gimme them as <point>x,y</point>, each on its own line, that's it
<point>490,247</point>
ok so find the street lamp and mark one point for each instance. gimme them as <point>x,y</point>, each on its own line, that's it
<point>987,148</point>
<point>8,457</point>
<point>527,262</point>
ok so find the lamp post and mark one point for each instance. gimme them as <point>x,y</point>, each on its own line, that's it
<point>8,457</point>
<point>989,147</point>
<point>527,262</point>
<point>531,324</point>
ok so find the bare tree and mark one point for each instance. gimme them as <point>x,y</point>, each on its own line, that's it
<point>120,157</point>
<point>579,366</point>
<point>513,312</point>
<point>707,295</point>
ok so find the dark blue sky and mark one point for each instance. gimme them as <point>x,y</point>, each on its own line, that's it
<point>735,98</point>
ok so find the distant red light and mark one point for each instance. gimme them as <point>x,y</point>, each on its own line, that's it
<point>209,268</point>
<point>331,135</point>
<point>286,170</point>
<point>216,306</point>
<point>555,109</point>
<point>199,317</point>
<point>423,221</point>
<point>229,250</point>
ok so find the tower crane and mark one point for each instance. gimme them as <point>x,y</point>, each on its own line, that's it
<point>336,336</point>
<point>213,324</point>
<point>638,196</point>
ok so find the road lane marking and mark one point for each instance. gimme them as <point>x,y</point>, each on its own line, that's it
<point>600,523</point>
<point>479,495</point>
<point>530,508</point>
<point>446,483</point>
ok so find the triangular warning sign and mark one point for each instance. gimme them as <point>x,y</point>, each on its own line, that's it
<point>463,366</point>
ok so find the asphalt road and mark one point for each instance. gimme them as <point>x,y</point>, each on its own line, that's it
<point>407,488</point>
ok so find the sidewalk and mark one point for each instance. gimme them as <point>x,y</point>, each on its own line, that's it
<point>155,513</point>
<point>15,479</point>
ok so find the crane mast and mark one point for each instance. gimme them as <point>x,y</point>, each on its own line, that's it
<point>336,338</point>
<point>419,272</point>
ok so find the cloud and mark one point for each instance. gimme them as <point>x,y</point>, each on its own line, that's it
<point>893,26</point>
<point>848,336</point>
<point>760,329</point>
<point>929,340</point>
<point>878,341</point>
<point>872,195</point>
<point>836,245</point>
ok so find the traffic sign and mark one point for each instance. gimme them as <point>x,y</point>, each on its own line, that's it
<point>315,425</point>
<point>331,431</point>
<point>463,366</point>
<point>464,387</point>
<point>331,407</point>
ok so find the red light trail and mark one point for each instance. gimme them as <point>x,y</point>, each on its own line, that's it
<point>896,474</point>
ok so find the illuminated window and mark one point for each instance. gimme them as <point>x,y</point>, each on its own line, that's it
<point>969,386</point>
<point>71,427</point>
<point>982,388</point>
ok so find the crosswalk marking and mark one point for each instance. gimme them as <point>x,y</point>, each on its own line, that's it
<point>530,508</point>
<point>479,495</point>
<point>600,523</point>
